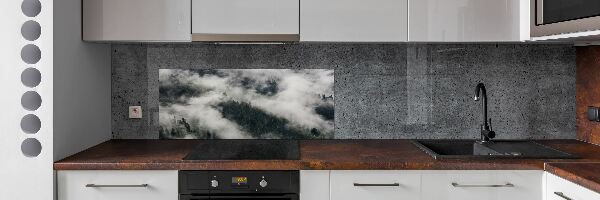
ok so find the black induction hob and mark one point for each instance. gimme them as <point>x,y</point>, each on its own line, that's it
<point>245,150</point>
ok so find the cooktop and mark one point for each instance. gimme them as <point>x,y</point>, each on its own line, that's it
<point>245,150</point>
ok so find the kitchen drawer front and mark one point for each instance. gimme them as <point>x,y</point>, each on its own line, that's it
<point>482,185</point>
<point>162,185</point>
<point>387,185</point>
<point>560,189</point>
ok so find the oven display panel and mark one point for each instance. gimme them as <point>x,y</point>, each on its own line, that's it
<point>239,181</point>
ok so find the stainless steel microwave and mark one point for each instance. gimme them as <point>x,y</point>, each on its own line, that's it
<point>554,17</point>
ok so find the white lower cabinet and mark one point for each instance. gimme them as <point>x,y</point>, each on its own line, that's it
<point>482,185</point>
<point>423,185</point>
<point>117,185</point>
<point>341,185</point>
<point>560,189</point>
<point>314,185</point>
<point>375,185</point>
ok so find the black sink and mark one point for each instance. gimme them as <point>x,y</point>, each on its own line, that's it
<point>471,149</point>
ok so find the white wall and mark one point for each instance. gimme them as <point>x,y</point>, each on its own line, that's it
<point>82,75</point>
<point>21,177</point>
<point>82,83</point>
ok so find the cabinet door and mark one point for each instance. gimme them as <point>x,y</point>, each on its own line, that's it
<point>136,20</point>
<point>375,185</point>
<point>468,20</point>
<point>117,185</point>
<point>314,185</point>
<point>482,185</point>
<point>561,189</point>
<point>353,20</point>
<point>245,17</point>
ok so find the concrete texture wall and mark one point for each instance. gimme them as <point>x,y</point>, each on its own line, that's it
<point>382,90</point>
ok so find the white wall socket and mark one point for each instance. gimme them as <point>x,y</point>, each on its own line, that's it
<point>135,112</point>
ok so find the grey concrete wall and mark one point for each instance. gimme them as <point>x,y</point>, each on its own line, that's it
<point>382,90</point>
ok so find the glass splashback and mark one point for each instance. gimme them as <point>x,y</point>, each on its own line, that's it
<point>246,103</point>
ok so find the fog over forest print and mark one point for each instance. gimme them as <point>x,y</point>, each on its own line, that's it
<point>246,104</point>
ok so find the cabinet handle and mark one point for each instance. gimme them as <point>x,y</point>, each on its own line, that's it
<point>114,186</point>
<point>499,185</point>
<point>560,194</point>
<point>376,185</point>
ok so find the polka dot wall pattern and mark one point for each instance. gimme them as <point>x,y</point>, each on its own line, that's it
<point>31,101</point>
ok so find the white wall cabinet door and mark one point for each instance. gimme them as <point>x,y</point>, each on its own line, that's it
<point>482,185</point>
<point>375,184</point>
<point>561,189</point>
<point>353,20</point>
<point>136,20</point>
<point>468,20</point>
<point>162,185</point>
<point>219,18</point>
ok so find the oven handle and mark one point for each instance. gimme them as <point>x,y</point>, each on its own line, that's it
<point>245,196</point>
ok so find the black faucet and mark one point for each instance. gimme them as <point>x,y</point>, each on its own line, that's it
<point>486,129</point>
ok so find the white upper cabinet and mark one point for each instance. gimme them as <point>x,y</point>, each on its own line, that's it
<point>468,20</point>
<point>136,20</point>
<point>245,20</point>
<point>353,20</point>
<point>307,20</point>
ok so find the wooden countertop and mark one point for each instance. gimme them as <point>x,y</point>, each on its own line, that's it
<point>331,155</point>
<point>584,174</point>
<point>314,154</point>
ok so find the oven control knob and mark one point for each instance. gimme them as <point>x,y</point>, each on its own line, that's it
<point>263,183</point>
<point>214,183</point>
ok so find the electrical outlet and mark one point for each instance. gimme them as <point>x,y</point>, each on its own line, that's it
<point>135,112</point>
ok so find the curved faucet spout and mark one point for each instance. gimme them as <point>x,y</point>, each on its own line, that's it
<point>483,95</point>
<point>480,94</point>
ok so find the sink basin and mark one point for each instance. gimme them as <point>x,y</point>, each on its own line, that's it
<point>470,149</point>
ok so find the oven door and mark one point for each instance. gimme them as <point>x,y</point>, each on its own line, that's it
<point>552,17</point>
<point>240,197</point>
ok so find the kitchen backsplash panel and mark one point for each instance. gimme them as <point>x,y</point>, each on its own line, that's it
<point>381,90</point>
<point>588,92</point>
<point>246,103</point>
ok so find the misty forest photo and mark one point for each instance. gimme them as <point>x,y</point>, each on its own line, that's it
<point>246,103</point>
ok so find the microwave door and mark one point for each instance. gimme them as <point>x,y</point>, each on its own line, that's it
<point>556,11</point>
<point>563,17</point>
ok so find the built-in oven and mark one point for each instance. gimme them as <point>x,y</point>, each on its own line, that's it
<point>237,185</point>
<point>553,17</point>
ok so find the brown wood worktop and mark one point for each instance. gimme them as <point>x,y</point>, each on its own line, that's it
<point>584,174</point>
<point>314,154</point>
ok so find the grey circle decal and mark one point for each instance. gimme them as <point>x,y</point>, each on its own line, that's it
<point>31,77</point>
<point>31,124</point>
<point>31,100</point>
<point>31,54</point>
<point>31,30</point>
<point>31,8</point>
<point>31,147</point>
